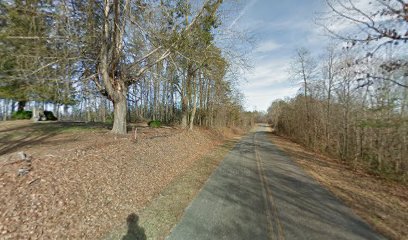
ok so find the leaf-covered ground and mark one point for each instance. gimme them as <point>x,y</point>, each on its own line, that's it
<point>84,181</point>
<point>164,212</point>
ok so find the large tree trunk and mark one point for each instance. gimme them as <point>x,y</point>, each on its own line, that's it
<point>201,92</point>
<point>111,46</point>
<point>186,96</point>
<point>184,112</point>
<point>13,106</point>
<point>65,113</point>
<point>119,120</point>
<point>36,112</point>
<point>193,112</point>
<point>5,109</point>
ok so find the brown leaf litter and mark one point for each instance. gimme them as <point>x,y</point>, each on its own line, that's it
<point>84,183</point>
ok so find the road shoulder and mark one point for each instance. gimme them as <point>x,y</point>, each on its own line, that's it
<point>380,202</point>
<point>165,211</point>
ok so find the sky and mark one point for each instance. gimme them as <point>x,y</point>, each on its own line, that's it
<point>279,27</point>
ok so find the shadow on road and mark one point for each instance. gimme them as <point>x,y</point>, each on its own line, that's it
<point>305,210</point>
<point>134,232</point>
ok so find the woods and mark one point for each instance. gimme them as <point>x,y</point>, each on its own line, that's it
<point>353,102</point>
<point>124,119</point>
<point>118,61</point>
<point>122,61</point>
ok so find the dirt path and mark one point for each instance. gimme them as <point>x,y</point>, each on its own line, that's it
<point>258,192</point>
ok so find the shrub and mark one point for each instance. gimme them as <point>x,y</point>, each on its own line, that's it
<point>50,116</point>
<point>19,115</point>
<point>155,124</point>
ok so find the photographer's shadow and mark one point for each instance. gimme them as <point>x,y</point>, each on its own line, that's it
<point>134,232</point>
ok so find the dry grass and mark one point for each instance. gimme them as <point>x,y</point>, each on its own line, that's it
<point>85,183</point>
<point>165,211</point>
<point>381,203</point>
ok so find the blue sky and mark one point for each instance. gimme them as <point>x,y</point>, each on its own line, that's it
<point>279,27</point>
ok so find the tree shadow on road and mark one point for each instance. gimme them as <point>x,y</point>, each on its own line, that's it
<point>134,232</point>
<point>301,206</point>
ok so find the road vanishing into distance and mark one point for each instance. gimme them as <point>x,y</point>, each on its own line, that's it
<point>258,192</point>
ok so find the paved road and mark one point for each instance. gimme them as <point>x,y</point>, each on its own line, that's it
<point>258,192</point>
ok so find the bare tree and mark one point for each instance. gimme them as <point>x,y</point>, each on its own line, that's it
<point>115,83</point>
<point>329,75</point>
<point>365,125</point>
<point>303,69</point>
<point>371,25</point>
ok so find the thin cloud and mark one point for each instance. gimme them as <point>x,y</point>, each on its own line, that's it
<point>273,70</point>
<point>268,81</point>
<point>262,100</point>
<point>243,11</point>
<point>267,46</point>
<point>281,27</point>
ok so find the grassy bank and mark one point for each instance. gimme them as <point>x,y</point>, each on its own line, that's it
<point>158,218</point>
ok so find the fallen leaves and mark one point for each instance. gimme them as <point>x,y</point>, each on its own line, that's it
<point>85,184</point>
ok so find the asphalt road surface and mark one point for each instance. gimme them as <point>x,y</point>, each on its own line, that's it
<point>258,192</point>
